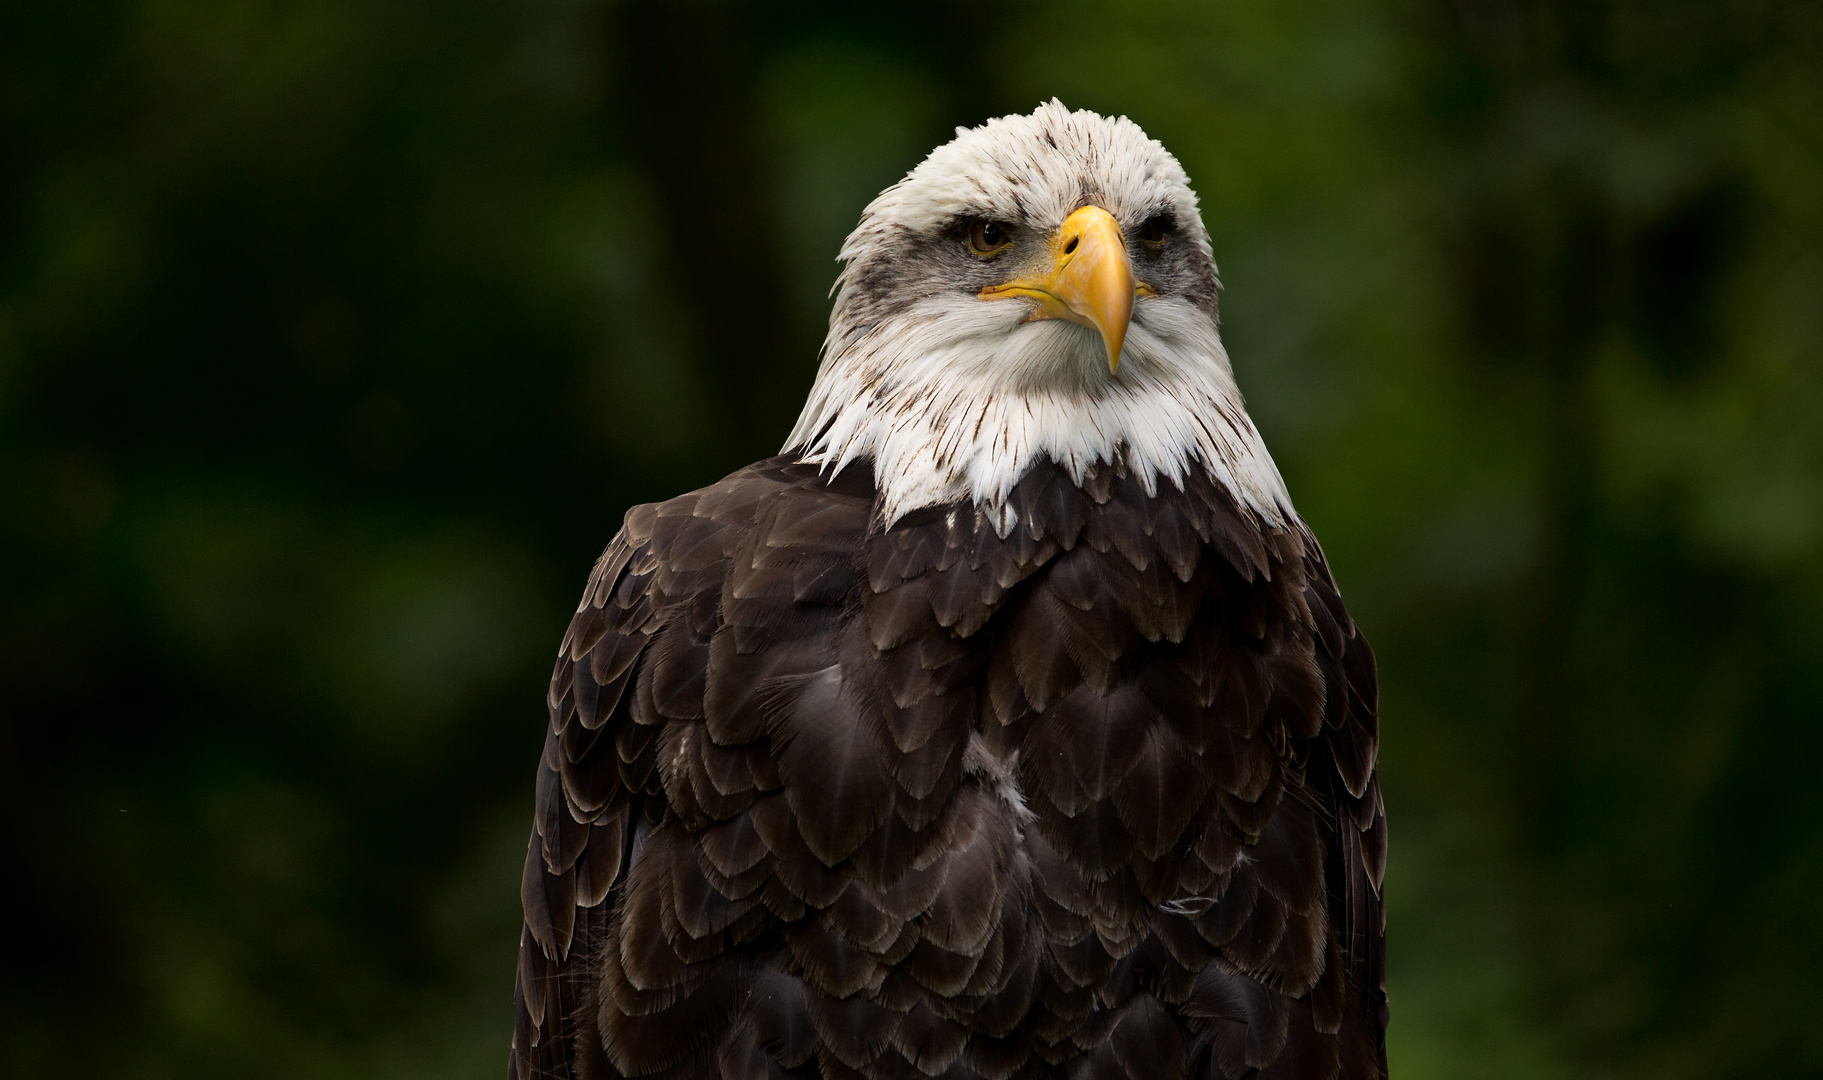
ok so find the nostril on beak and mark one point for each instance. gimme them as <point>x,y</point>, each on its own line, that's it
<point>1070,248</point>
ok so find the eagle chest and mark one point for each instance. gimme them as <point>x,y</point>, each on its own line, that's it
<point>877,797</point>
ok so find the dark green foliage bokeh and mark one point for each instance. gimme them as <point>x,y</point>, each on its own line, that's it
<point>335,337</point>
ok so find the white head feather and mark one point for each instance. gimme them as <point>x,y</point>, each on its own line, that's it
<point>954,398</point>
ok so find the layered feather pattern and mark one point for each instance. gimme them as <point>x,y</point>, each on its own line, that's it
<point>1083,790</point>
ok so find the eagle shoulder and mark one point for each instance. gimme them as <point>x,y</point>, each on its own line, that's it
<point>633,656</point>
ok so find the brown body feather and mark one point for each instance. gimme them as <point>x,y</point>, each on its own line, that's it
<point>1095,799</point>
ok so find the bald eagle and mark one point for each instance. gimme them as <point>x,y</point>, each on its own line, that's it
<point>1007,724</point>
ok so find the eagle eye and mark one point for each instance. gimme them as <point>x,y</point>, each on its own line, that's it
<point>1156,229</point>
<point>988,237</point>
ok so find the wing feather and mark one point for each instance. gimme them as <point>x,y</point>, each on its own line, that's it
<point>1094,793</point>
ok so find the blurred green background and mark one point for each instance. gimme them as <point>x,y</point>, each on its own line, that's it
<point>336,336</point>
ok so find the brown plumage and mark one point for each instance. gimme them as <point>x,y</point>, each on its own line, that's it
<point>1095,798</point>
<point>1008,725</point>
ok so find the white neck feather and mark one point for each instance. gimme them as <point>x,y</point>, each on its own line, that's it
<point>955,398</point>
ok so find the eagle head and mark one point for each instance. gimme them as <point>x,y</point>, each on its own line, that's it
<point>1041,287</point>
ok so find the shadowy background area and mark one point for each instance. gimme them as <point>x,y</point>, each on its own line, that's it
<point>335,338</point>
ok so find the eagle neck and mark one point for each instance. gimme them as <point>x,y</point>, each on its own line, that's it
<point>944,426</point>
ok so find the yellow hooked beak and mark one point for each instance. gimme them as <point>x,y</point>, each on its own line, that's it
<point>1088,280</point>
